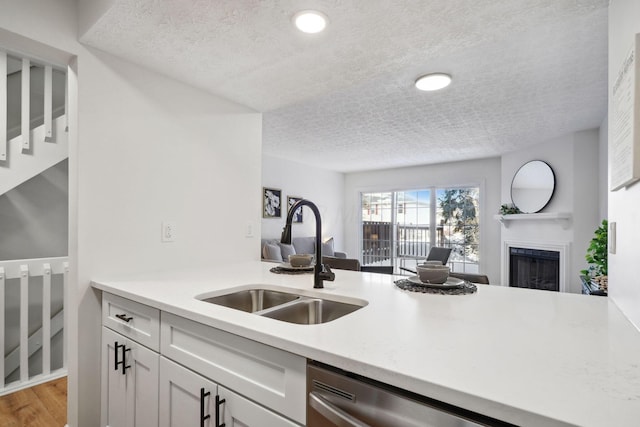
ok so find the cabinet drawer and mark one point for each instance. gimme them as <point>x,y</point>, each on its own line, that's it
<point>137,321</point>
<point>273,377</point>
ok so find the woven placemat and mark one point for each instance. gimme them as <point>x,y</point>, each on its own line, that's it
<point>465,288</point>
<point>280,270</point>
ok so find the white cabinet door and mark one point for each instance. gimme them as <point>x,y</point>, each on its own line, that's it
<point>129,382</point>
<point>113,382</point>
<point>186,398</point>
<point>237,411</point>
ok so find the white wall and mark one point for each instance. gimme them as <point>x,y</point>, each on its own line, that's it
<point>624,204</point>
<point>574,160</point>
<point>323,187</point>
<point>484,172</point>
<point>143,149</point>
<point>152,149</point>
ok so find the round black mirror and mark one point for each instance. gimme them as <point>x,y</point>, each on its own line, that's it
<point>532,186</point>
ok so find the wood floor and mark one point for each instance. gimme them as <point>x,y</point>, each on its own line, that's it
<point>44,405</point>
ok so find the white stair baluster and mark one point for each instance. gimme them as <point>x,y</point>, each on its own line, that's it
<point>46,319</point>
<point>4,106</point>
<point>65,299</point>
<point>66,102</point>
<point>48,103</point>
<point>24,323</point>
<point>26,108</point>
<point>2,331</point>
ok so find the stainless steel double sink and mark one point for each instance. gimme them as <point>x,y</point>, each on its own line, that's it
<point>285,305</point>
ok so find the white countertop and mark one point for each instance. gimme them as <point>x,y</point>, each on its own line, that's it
<point>529,357</point>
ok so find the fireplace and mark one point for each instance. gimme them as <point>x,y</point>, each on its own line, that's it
<point>534,268</point>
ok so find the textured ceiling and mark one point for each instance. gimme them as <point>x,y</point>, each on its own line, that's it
<point>523,71</point>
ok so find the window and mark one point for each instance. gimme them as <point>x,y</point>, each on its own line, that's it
<point>399,228</point>
<point>376,230</point>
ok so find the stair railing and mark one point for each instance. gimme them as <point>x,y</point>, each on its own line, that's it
<point>22,273</point>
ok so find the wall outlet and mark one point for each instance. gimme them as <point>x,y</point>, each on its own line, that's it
<point>168,231</point>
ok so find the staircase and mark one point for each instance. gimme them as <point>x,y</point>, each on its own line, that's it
<point>33,129</point>
<point>33,138</point>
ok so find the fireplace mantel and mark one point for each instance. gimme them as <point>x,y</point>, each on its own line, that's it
<point>562,218</point>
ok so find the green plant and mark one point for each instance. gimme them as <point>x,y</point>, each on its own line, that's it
<point>509,209</point>
<point>597,252</point>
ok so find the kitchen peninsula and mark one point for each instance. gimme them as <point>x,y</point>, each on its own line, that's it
<point>527,357</point>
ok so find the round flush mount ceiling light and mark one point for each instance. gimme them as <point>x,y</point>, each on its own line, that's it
<point>310,21</point>
<point>435,81</point>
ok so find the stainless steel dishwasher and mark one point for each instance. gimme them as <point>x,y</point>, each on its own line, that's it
<point>338,398</point>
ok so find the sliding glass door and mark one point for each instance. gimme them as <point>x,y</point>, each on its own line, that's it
<point>458,215</point>
<point>399,228</point>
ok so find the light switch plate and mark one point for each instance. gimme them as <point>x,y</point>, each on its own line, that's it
<point>612,238</point>
<point>249,231</point>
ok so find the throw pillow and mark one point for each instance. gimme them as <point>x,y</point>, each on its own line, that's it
<point>272,252</point>
<point>304,245</point>
<point>286,250</point>
<point>327,248</point>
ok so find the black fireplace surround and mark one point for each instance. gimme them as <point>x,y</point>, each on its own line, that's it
<point>534,269</point>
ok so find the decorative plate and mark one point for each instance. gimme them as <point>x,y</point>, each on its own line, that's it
<point>451,283</point>
<point>288,266</point>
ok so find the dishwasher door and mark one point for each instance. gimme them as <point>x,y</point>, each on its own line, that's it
<point>338,400</point>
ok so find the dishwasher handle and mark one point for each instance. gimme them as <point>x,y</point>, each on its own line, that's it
<point>331,412</point>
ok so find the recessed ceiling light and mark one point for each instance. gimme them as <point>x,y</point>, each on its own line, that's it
<point>433,81</point>
<point>310,21</point>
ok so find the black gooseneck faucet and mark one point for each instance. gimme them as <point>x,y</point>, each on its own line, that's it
<point>320,272</point>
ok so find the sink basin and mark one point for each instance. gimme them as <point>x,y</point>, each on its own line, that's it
<point>252,300</point>
<point>311,311</point>
<point>285,305</point>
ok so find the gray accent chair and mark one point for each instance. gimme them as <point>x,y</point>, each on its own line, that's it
<point>437,253</point>
<point>471,277</point>
<point>341,263</point>
<point>381,269</point>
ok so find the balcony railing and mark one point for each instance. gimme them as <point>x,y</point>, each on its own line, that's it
<point>411,243</point>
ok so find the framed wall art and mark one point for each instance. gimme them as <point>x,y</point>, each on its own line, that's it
<point>624,134</point>
<point>271,203</point>
<point>297,216</point>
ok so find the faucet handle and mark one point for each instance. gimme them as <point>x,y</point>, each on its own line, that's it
<point>327,274</point>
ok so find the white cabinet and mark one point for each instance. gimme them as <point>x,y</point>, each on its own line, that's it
<point>236,411</point>
<point>189,399</point>
<point>114,384</point>
<point>273,377</point>
<point>136,321</point>
<point>130,362</point>
<point>129,382</point>
<point>186,398</point>
<point>159,369</point>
